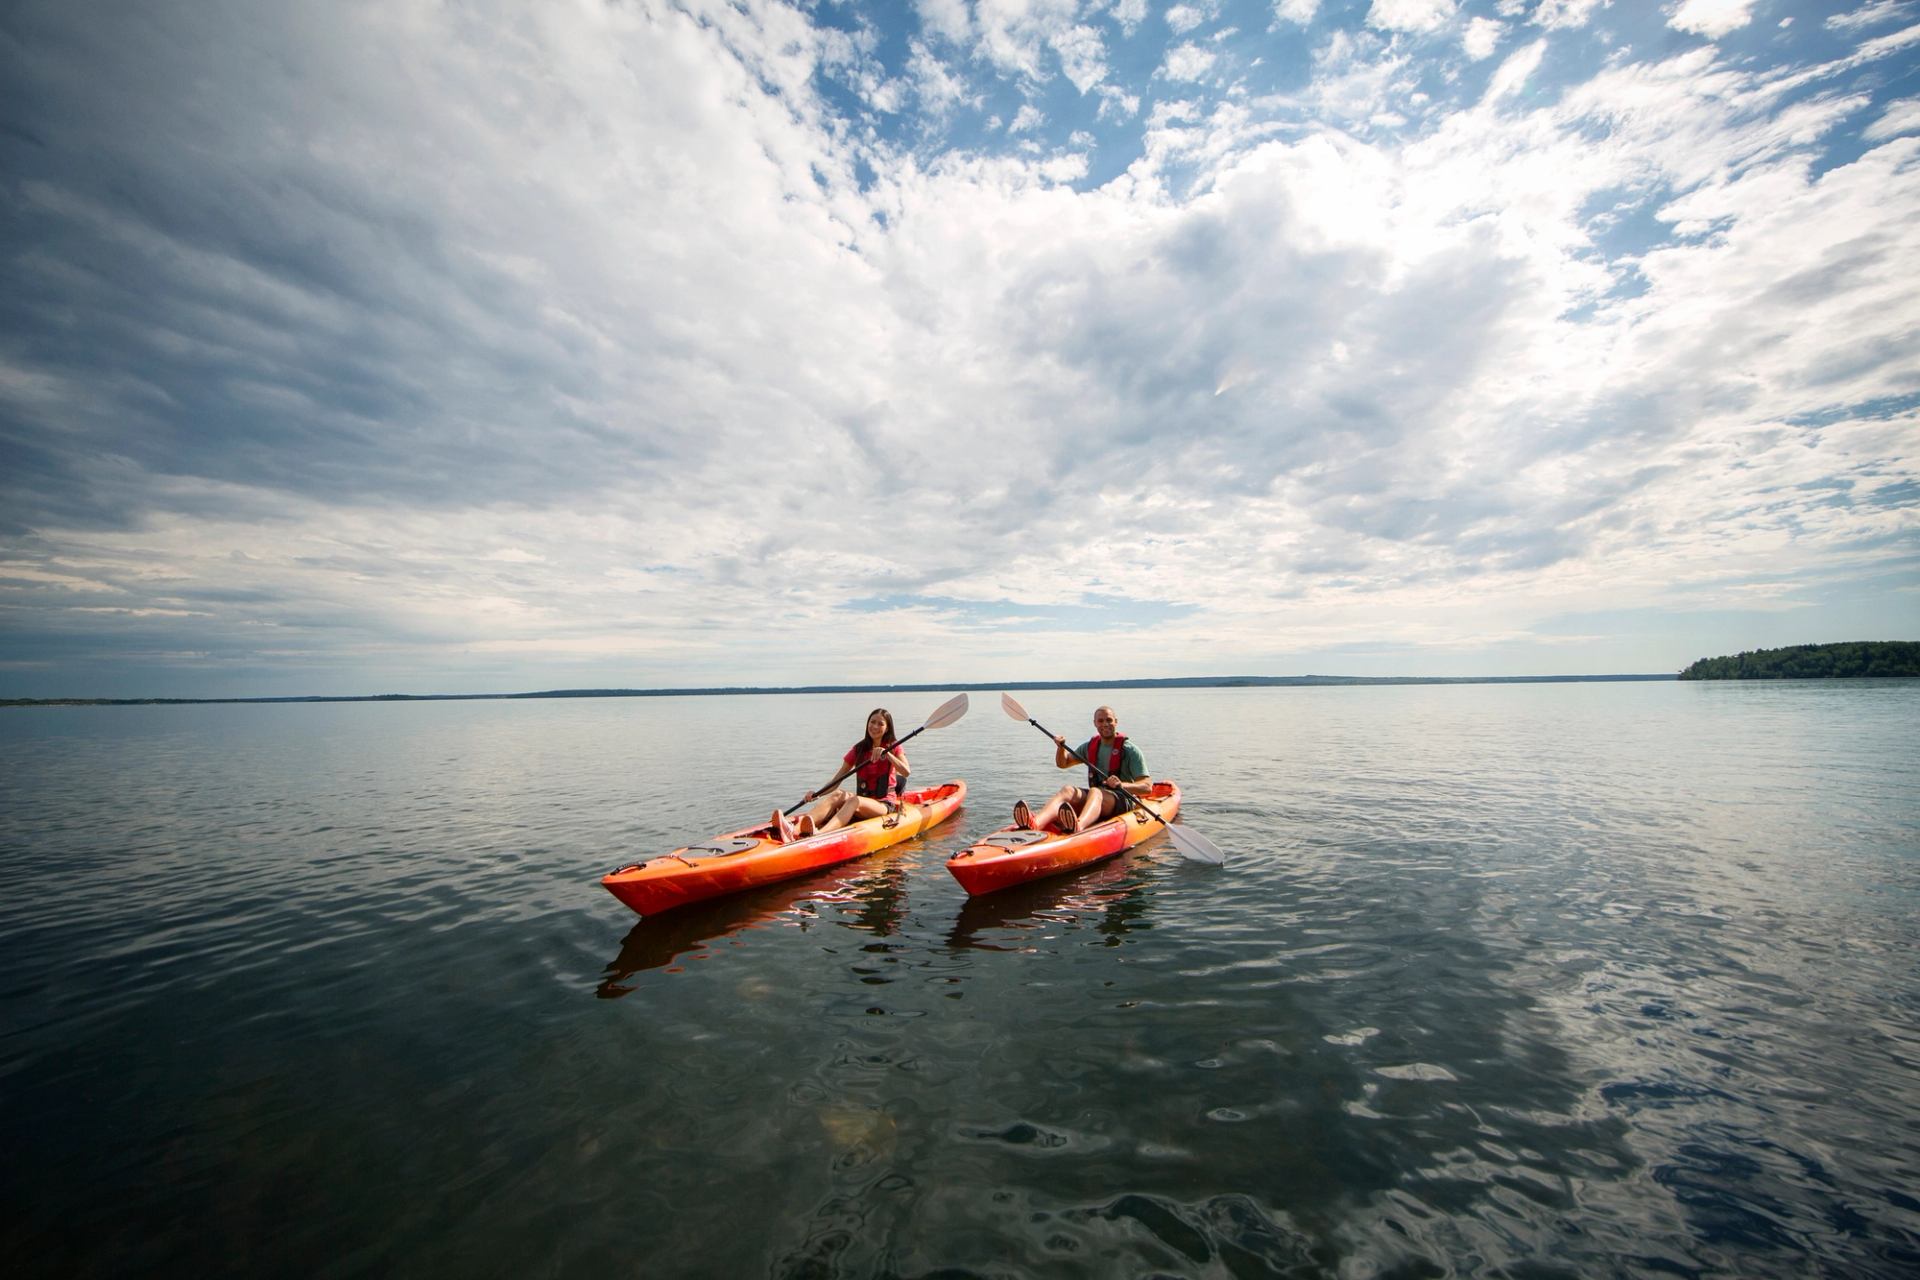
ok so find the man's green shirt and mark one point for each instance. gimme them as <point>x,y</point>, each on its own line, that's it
<point>1133,765</point>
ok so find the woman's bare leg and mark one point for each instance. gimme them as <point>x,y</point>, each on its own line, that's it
<point>827,805</point>
<point>856,808</point>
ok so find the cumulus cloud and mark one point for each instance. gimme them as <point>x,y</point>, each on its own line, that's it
<point>1187,62</point>
<point>1711,18</point>
<point>1017,35</point>
<point>938,86</point>
<point>1185,17</point>
<point>1899,117</point>
<point>1481,38</point>
<point>1515,71</point>
<point>1354,80</point>
<point>1410,15</point>
<point>1117,103</point>
<point>494,348</point>
<point>1083,56</point>
<point>1567,14</point>
<point>947,19</point>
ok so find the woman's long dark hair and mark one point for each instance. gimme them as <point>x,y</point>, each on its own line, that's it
<point>860,748</point>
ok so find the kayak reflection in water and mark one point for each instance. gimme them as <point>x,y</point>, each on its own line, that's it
<point>878,767</point>
<point>1075,807</point>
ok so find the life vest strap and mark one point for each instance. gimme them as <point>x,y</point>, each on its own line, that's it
<point>875,779</point>
<point>1112,766</point>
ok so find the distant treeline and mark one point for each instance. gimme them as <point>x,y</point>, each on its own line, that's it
<point>1814,662</point>
<point>1169,682</point>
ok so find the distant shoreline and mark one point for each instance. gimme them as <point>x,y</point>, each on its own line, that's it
<point>1175,682</point>
<point>1843,660</point>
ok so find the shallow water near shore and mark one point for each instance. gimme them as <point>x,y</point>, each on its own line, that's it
<point>1541,980</point>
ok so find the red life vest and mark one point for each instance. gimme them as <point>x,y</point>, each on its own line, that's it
<point>874,778</point>
<point>1112,765</point>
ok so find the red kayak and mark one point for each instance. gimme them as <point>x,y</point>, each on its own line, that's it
<point>1013,855</point>
<point>749,858</point>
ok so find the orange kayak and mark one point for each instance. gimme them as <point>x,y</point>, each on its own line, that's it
<point>749,858</point>
<point>1013,856</point>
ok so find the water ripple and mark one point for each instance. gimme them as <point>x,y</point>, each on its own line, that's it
<point>1550,980</point>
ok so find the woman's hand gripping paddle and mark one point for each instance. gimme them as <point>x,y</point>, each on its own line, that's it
<point>945,714</point>
<point>1190,843</point>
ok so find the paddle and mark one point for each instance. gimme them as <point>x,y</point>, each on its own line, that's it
<point>1191,843</point>
<point>943,715</point>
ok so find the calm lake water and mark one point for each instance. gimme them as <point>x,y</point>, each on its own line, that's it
<point>1535,980</point>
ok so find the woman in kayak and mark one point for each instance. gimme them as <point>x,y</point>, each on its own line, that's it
<point>1122,775</point>
<point>878,766</point>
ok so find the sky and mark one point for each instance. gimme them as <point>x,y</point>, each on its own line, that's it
<point>489,347</point>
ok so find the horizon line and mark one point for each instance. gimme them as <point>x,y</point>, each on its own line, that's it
<point>974,686</point>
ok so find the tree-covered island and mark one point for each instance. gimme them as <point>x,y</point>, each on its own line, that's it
<point>1814,662</point>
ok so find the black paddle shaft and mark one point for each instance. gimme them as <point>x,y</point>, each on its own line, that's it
<point>1127,798</point>
<point>1190,843</point>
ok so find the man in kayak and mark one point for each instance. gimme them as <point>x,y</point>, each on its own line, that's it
<point>1075,807</point>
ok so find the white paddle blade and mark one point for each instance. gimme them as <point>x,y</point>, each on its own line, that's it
<point>947,712</point>
<point>1196,846</point>
<point>1012,708</point>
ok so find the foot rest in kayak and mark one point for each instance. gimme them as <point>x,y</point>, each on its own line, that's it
<point>720,848</point>
<point>1014,839</point>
